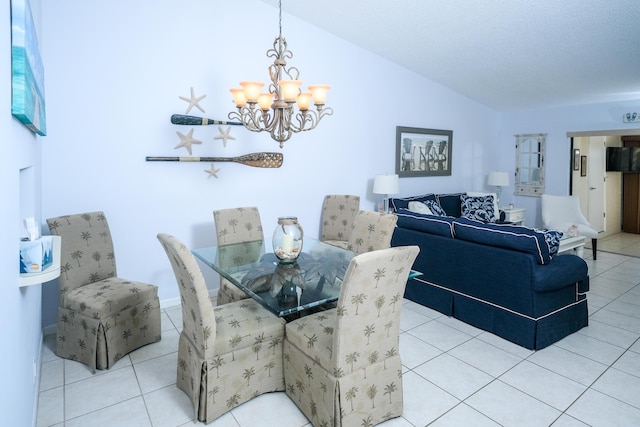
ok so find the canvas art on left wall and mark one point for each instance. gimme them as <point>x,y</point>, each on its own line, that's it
<point>27,74</point>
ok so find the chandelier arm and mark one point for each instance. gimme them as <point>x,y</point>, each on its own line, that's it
<point>247,116</point>
<point>307,120</point>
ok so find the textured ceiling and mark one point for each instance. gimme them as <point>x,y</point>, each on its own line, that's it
<point>506,54</point>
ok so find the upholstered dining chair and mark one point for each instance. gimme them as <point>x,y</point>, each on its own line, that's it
<point>338,213</point>
<point>101,317</point>
<point>235,225</point>
<point>228,354</point>
<point>343,365</point>
<point>563,212</point>
<point>371,231</point>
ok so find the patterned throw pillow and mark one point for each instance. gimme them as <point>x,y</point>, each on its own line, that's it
<point>480,208</point>
<point>435,207</point>
<point>552,237</point>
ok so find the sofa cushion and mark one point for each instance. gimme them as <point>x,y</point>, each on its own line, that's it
<point>403,203</point>
<point>479,208</point>
<point>433,224</point>
<point>514,237</point>
<point>450,203</point>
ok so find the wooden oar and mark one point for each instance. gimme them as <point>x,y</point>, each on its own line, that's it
<point>181,119</point>
<point>258,160</point>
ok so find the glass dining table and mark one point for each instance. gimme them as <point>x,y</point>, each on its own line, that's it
<point>286,289</point>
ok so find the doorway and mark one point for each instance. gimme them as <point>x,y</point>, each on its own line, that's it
<point>589,181</point>
<point>602,205</point>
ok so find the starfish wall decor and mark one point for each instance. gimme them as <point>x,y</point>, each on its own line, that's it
<point>187,140</point>
<point>193,101</point>
<point>224,135</point>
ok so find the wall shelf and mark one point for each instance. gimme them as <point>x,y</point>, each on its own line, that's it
<point>50,273</point>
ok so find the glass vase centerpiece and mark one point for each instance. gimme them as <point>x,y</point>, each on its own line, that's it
<point>287,239</point>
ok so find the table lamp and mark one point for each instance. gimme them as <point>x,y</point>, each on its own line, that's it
<point>386,184</point>
<point>499,180</point>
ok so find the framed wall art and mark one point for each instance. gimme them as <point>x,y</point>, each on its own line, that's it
<point>423,152</point>
<point>27,72</point>
<point>583,165</point>
<point>576,159</point>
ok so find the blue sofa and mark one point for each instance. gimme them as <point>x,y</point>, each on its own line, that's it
<point>501,278</point>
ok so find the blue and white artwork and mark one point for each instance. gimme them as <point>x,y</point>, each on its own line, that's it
<point>27,101</point>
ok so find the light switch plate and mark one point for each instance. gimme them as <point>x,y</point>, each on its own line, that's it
<point>631,117</point>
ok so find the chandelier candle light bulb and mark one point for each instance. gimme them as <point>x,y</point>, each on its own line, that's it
<point>304,100</point>
<point>238,97</point>
<point>251,90</point>
<point>264,101</point>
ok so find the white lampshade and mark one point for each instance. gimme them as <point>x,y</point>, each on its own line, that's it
<point>499,179</point>
<point>386,184</point>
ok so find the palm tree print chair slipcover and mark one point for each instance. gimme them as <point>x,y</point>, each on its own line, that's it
<point>228,354</point>
<point>235,225</point>
<point>343,365</point>
<point>338,213</point>
<point>101,317</point>
<point>371,231</point>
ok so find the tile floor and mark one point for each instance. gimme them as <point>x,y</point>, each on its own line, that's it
<point>454,374</point>
<point>620,243</point>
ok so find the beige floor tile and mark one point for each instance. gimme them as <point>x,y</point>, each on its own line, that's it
<point>510,407</point>
<point>100,391</point>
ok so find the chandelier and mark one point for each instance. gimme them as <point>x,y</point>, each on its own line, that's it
<point>275,111</point>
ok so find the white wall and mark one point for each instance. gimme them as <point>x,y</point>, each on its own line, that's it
<point>115,71</point>
<point>20,312</point>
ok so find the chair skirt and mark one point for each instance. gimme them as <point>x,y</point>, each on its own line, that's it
<point>246,367</point>
<point>98,331</point>
<point>366,396</point>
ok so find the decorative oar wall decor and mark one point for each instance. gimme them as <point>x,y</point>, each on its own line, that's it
<point>259,160</point>
<point>182,119</point>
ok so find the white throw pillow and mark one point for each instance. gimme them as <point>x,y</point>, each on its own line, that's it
<point>419,207</point>
<point>496,208</point>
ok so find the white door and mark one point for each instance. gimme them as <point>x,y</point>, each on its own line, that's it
<point>596,202</point>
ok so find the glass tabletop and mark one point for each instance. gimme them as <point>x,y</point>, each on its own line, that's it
<point>284,288</point>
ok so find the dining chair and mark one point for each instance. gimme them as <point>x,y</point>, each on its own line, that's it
<point>371,231</point>
<point>235,225</point>
<point>343,365</point>
<point>228,354</point>
<point>563,212</point>
<point>338,213</point>
<point>101,317</point>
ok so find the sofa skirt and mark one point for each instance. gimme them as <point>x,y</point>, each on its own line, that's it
<point>530,332</point>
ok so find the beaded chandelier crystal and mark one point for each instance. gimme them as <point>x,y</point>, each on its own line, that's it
<point>275,111</point>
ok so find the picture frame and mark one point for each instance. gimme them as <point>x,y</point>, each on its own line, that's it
<point>576,159</point>
<point>423,152</point>
<point>583,165</point>
<point>27,71</point>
